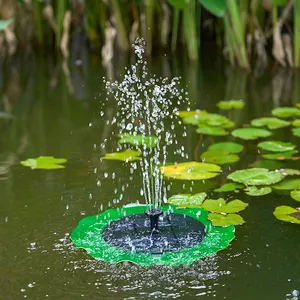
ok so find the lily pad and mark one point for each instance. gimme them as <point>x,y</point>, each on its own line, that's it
<point>267,164</point>
<point>138,140</point>
<point>230,147</point>
<point>191,171</point>
<point>276,146</point>
<point>231,104</point>
<point>214,120</point>
<point>127,155</point>
<point>228,187</point>
<point>286,112</point>
<point>217,131</point>
<point>287,214</point>
<point>254,191</point>
<point>296,132</point>
<point>286,172</point>
<point>287,184</point>
<point>192,119</point>
<point>225,220</point>
<point>271,123</point>
<point>44,162</point>
<point>187,200</point>
<point>250,133</point>
<point>295,194</point>
<point>188,113</point>
<point>255,176</point>
<point>220,206</point>
<point>282,155</point>
<point>296,123</point>
<point>219,157</point>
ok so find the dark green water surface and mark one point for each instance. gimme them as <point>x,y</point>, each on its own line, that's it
<point>58,112</point>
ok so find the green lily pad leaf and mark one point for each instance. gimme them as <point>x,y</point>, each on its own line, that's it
<point>296,132</point>
<point>219,157</point>
<point>295,194</point>
<point>267,164</point>
<point>287,184</point>
<point>271,123</point>
<point>188,113</point>
<point>225,220</point>
<point>191,171</point>
<point>231,104</point>
<point>250,133</point>
<point>296,123</point>
<point>286,112</point>
<point>287,214</point>
<point>254,191</point>
<point>138,140</point>
<point>282,155</point>
<point>255,176</point>
<point>212,131</point>
<point>214,120</point>
<point>44,162</point>
<point>230,147</point>
<point>276,146</point>
<point>286,172</point>
<point>220,206</point>
<point>229,187</point>
<point>192,118</point>
<point>5,23</point>
<point>127,155</point>
<point>187,200</point>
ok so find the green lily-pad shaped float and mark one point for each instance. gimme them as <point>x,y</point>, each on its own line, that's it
<point>191,171</point>
<point>138,140</point>
<point>229,187</point>
<point>217,131</point>
<point>193,118</point>
<point>271,123</point>
<point>295,194</point>
<point>219,157</point>
<point>287,214</point>
<point>229,147</point>
<point>296,123</point>
<point>88,235</point>
<point>287,184</point>
<point>282,155</point>
<point>231,104</point>
<point>276,146</point>
<point>267,164</point>
<point>286,172</point>
<point>251,133</point>
<point>220,206</point>
<point>255,191</point>
<point>44,162</point>
<point>126,155</point>
<point>188,113</point>
<point>256,176</point>
<point>225,220</point>
<point>209,120</point>
<point>187,200</point>
<point>296,132</point>
<point>286,112</point>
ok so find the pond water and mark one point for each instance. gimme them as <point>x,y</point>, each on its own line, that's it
<point>57,111</point>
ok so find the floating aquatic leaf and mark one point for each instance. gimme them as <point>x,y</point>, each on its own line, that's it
<point>220,206</point>
<point>217,131</point>
<point>287,214</point>
<point>296,131</point>
<point>127,155</point>
<point>230,147</point>
<point>296,123</point>
<point>271,123</point>
<point>219,157</point>
<point>188,113</point>
<point>187,200</point>
<point>286,112</point>
<point>286,172</point>
<point>295,194</point>
<point>276,146</point>
<point>282,155</point>
<point>255,176</point>
<point>215,120</point>
<point>225,220</point>
<point>228,187</point>
<point>231,104</point>
<point>192,119</point>
<point>5,23</point>
<point>191,171</point>
<point>267,164</point>
<point>44,162</point>
<point>250,133</point>
<point>138,140</point>
<point>254,191</point>
<point>287,184</point>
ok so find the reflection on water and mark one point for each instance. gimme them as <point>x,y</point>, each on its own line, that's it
<point>58,110</point>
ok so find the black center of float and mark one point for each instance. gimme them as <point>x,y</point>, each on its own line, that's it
<point>175,232</point>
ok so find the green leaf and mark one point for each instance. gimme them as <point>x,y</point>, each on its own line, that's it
<point>255,176</point>
<point>216,7</point>
<point>295,194</point>
<point>212,131</point>
<point>250,133</point>
<point>296,123</point>
<point>138,140</point>
<point>286,172</point>
<point>287,214</point>
<point>188,113</point>
<point>5,23</point>
<point>279,2</point>
<point>220,206</point>
<point>276,146</point>
<point>228,187</point>
<point>187,200</point>
<point>281,155</point>
<point>230,147</point>
<point>271,123</point>
<point>225,220</point>
<point>214,120</point>
<point>180,4</point>
<point>287,184</point>
<point>191,171</point>
<point>286,112</point>
<point>127,155</point>
<point>44,162</point>
<point>254,191</point>
<point>219,157</point>
<point>231,104</point>
<point>296,132</point>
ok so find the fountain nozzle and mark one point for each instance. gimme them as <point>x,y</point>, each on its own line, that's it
<point>153,214</point>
